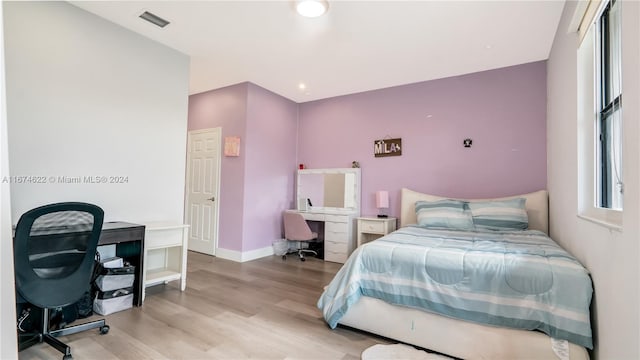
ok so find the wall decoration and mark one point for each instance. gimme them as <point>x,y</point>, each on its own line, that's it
<point>467,143</point>
<point>387,147</point>
<point>232,146</point>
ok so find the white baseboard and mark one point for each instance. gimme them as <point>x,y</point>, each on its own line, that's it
<point>239,256</point>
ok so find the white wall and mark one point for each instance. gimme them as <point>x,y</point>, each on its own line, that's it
<point>87,98</point>
<point>8,345</point>
<point>611,256</point>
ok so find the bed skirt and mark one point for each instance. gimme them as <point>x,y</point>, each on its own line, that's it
<point>454,337</point>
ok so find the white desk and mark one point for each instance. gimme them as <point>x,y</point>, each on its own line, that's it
<point>339,233</point>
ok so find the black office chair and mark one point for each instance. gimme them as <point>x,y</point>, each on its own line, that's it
<point>54,251</point>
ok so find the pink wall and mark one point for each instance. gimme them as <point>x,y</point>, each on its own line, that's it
<point>226,108</point>
<point>258,185</point>
<point>270,166</point>
<point>503,111</point>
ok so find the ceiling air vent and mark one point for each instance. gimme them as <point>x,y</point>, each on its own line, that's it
<point>154,19</point>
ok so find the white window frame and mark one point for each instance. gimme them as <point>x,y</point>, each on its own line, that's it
<point>588,135</point>
<point>609,187</point>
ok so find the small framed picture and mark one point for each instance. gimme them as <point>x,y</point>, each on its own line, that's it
<point>232,146</point>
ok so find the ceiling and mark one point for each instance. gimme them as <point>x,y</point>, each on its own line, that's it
<point>356,46</point>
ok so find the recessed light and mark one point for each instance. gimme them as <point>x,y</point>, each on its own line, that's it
<point>302,86</point>
<point>311,8</point>
<point>154,19</point>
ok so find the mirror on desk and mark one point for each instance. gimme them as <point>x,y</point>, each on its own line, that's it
<point>329,189</point>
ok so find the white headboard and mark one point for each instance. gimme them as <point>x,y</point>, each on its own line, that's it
<point>537,206</point>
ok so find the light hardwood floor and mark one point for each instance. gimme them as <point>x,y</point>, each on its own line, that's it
<point>262,309</point>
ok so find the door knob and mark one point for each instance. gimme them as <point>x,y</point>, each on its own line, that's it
<point>212,199</point>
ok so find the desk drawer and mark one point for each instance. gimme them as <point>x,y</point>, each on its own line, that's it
<point>163,238</point>
<point>335,236</point>
<point>336,227</point>
<point>335,257</point>
<point>335,251</point>
<point>312,216</point>
<point>335,247</point>
<point>371,226</point>
<point>337,218</point>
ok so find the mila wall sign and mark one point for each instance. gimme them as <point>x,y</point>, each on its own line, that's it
<point>387,147</point>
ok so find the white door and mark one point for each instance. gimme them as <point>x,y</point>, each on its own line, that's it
<point>203,190</point>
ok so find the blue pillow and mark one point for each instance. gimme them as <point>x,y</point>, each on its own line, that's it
<point>499,214</point>
<point>444,214</point>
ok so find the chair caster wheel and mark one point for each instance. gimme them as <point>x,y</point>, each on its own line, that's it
<point>104,329</point>
<point>303,259</point>
<point>67,357</point>
<point>284,257</point>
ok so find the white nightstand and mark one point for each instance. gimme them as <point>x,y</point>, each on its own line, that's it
<point>371,228</point>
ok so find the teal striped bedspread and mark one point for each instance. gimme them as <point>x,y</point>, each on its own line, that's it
<point>517,279</point>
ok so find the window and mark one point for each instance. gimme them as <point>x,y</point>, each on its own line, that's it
<point>609,186</point>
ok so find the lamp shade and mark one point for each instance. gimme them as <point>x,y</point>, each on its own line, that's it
<point>382,199</point>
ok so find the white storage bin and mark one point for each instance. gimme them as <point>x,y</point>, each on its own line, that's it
<point>109,306</point>
<point>114,282</point>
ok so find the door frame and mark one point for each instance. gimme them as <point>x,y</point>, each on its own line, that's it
<point>218,132</point>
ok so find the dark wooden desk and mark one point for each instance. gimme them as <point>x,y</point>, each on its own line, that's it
<point>129,241</point>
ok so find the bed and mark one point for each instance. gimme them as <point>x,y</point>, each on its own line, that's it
<point>421,286</point>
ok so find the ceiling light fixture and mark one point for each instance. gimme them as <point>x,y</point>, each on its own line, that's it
<point>154,19</point>
<point>311,8</point>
